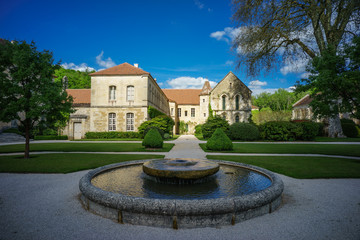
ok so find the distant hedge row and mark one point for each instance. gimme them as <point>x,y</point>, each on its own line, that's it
<point>108,135</point>
<point>51,137</point>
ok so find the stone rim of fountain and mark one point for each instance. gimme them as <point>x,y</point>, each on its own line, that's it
<point>178,213</point>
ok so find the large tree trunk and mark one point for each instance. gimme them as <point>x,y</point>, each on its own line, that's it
<point>335,129</point>
<point>27,140</point>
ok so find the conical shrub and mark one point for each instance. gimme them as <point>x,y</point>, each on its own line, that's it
<point>153,139</point>
<point>219,141</point>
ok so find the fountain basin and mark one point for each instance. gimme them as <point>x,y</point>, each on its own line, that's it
<point>180,213</point>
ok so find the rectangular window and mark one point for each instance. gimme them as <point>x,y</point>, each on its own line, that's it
<point>179,112</point>
<point>129,122</point>
<point>112,90</point>
<point>204,100</point>
<point>185,113</point>
<point>172,111</point>
<point>130,93</point>
<point>112,122</point>
<point>192,112</point>
<point>204,114</point>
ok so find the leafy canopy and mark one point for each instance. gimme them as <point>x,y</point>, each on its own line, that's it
<point>76,79</point>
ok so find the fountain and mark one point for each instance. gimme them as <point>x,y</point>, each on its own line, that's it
<point>180,193</point>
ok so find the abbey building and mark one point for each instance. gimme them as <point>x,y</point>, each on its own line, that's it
<point>120,96</point>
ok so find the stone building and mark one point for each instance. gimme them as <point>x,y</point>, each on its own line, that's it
<point>120,96</point>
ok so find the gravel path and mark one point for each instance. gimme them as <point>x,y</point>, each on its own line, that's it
<point>46,206</point>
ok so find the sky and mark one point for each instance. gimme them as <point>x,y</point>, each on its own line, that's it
<point>181,43</point>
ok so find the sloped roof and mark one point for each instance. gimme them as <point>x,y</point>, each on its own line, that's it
<point>122,69</point>
<point>306,100</point>
<point>184,96</point>
<point>206,89</point>
<point>231,74</point>
<point>80,96</point>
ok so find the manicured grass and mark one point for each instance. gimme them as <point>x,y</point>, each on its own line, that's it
<point>301,167</point>
<point>328,149</point>
<point>84,147</point>
<point>327,139</point>
<point>64,162</point>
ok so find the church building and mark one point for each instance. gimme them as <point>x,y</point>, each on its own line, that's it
<point>120,96</point>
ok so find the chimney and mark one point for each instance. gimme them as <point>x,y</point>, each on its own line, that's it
<point>155,79</point>
<point>136,65</point>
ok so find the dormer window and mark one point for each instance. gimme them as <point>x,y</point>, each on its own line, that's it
<point>130,93</point>
<point>112,90</point>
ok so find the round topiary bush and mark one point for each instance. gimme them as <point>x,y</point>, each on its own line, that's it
<point>244,131</point>
<point>219,141</point>
<point>158,129</point>
<point>153,139</point>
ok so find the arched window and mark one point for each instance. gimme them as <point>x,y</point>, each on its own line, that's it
<point>223,102</point>
<point>112,90</point>
<point>129,122</point>
<point>112,121</point>
<point>130,93</point>
<point>237,118</point>
<point>237,102</point>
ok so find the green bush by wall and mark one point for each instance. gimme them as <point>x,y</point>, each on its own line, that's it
<point>280,131</point>
<point>219,141</point>
<point>108,135</point>
<point>309,130</point>
<point>153,139</point>
<point>212,123</point>
<point>244,131</point>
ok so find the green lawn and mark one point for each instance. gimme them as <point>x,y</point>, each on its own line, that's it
<point>301,167</point>
<point>328,139</point>
<point>328,149</point>
<point>84,147</point>
<point>64,162</point>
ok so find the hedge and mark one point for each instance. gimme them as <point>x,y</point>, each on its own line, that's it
<point>212,123</point>
<point>153,139</point>
<point>108,135</point>
<point>349,127</point>
<point>309,130</point>
<point>281,131</point>
<point>219,141</point>
<point>244,131</point>
<point>51,137</point>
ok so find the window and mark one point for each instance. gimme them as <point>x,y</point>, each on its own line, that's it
<point>192,112</point>
<point>172,111</point>
<point>112,90</point>
<point>237,102</point>
<point>179,112</point>
<point>223,102</point>
<point>112,122</point>
<point>129,122</point>
<point>204,114</point>
<point>237,119</point>
<point>130,93</point>
<point>203,99</point>
<point>185,113</point>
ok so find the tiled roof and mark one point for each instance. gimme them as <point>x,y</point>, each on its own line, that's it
<point>184,96</point>
<point>304,101</point>
<point>80,96</point>
<point>122,69</point>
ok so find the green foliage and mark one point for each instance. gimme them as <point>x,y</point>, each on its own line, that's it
<point>163,122</point>
<point>267,115</point>
<point>280,131</point>
<point>219,141</point>
<point>198,129</point>
<point>321,129</point>
<point>109,135</point>
<point>153,112</point>
<point>13,130</point>
<point>349,128</point>
<point>211,113</point>
<point>166,136</point>
<point>244,131</point>
<point>51,137</point>
<point>28,93</point>
<point>358,131</point>
<point>212,124</point>
<point>183,127</point>
<point>76,79</point>
<point>153,139</point>
<point>161,132</point>
<point>335,81</point>
<point>309,130</point>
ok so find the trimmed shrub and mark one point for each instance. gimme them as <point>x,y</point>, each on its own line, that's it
<point>153,139</point>
<point>161,132</point>
<point>108,135</point>
<point>349,130</point>
<point>309,130</point>
<point>198,129</point>
<point>321,130</point>
<point>163,122</point>
<point>219,141</point>
<point>280,131</point>
<point>51,137</point>
<point>358,131</point>
<point>13,130</point>
<point>212,123</point>
<point>166,136</point>
<point>244,131</point>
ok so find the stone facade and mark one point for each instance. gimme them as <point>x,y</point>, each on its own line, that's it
<point>120,96</point>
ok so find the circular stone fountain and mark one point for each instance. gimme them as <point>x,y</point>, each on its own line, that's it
<point>180,193</point>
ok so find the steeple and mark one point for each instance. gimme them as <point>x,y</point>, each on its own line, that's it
<point>206,89</point>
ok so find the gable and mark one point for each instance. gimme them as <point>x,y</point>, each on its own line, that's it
<point>231,85</point>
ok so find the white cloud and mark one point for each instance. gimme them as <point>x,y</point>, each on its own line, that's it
<point>227,35</point>
<point>257,84</point>
<point>189,82</point>
<point>229,63</point>
<point>305,75</point>
<point>256,87</point>
<point>83,67</point>
<point>219,35</point>
<point>199,4</point>
<point>295,66</point>
<point>107,63</point>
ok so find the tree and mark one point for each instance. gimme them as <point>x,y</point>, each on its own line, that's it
<point>28,93</point>
<point>276,31</point>
<point>76,79</point>
<point>335,82</point>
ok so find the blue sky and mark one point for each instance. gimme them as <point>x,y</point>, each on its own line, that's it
<point>181,43</point>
